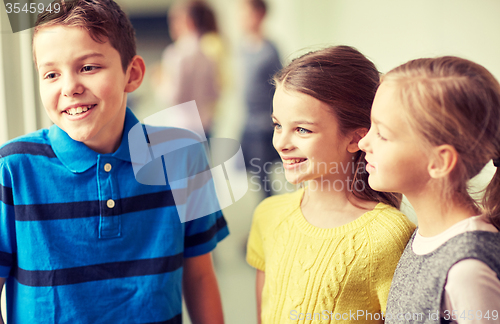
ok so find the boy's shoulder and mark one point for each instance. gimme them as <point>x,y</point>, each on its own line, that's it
<point>35,143</point>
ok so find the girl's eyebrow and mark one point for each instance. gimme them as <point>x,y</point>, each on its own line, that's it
<point>297,121</point>
<point>304,122</point>
<point>378,123</point>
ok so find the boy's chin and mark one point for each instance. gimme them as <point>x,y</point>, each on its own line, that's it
<point>79,136</point>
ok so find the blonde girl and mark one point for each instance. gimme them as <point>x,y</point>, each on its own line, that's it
<point>435,125</point>
<point>327,252</point>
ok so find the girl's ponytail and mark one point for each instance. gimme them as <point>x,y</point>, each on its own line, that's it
<point>491,199</point>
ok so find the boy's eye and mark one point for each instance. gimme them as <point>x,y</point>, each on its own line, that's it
<point>303,131</point>
<point>89,68</point>
<point>382,138</point>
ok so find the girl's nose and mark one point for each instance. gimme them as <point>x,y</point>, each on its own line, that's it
<point>364,143</point>
<point>282,142</point>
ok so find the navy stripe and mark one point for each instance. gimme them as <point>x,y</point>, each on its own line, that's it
<point>6,259</point>
<point>174,320</point>
<point>104,271</point>
<point>41,212</point>
<point>80,209</point>
<point>199,180</point>
<point>204,237</point>
<point>27,148</point>
<point>6,195</point>
<point>145,202</point>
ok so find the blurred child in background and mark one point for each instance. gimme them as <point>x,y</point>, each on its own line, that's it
<point>259,60</point>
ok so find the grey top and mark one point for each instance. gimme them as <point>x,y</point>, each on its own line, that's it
<point>259,66</point>
<point>418,284</point>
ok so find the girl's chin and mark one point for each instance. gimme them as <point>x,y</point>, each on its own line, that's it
<point>294,180</point>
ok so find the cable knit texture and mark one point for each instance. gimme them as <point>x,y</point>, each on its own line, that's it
<point>332,272</point>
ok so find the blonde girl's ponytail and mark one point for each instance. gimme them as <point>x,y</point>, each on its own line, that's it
<point>491,200</point>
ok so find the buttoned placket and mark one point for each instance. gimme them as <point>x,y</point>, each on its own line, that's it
<point>110,219</point>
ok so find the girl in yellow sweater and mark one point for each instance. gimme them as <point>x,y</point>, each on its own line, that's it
<point>327,252</point>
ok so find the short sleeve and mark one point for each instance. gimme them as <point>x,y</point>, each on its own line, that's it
<point>255,248</point>
<point>203,234</point>
<point>471,285</point>
<point>7,219</point>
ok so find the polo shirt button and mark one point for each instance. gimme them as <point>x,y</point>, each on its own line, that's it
<point>107,167</point>
<point>110,203</point>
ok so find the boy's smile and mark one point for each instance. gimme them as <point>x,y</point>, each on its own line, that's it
<point>82,85</point>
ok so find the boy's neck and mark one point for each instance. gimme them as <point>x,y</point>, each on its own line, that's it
<point>106,147</point>
<point>110,137</point>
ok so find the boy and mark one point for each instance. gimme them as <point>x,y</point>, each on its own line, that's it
<point>81,241</point>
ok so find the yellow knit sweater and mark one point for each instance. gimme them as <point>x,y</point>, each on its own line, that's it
<point>316,275</point>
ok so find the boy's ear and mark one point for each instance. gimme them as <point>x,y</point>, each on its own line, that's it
<point>135,73</point>
<point>443,161</point>
<point>355,137</point>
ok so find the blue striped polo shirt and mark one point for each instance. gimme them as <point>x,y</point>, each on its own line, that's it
<point>81,241</point>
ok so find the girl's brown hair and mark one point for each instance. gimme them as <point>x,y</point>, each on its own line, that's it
<point>346,80</point>
<point>450,100</point>
<point>103,19</point>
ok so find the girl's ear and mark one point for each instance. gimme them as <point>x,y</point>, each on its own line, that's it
<point>355,137</point>
<point>443,161</point>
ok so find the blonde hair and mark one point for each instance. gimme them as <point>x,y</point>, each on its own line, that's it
<point>450,100</point>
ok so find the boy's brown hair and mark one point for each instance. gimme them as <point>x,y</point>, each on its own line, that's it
<point>103,19</point>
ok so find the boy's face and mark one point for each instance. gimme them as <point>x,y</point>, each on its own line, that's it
<point>82,86</point>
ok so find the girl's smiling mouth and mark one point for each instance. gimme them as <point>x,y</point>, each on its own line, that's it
<point>291,163</point>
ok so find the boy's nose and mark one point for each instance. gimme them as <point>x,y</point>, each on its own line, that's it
<point>72,86</point>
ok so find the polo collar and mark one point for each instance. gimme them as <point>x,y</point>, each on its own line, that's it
<point>77,157</point>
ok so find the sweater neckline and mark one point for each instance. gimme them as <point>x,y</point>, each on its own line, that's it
<point>304,226</point>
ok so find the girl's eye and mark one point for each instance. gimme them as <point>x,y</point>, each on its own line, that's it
<point>276,126</point>
<point>49,76</point>
<point>382,138</point>
<point>89,68</point>
<point>303,131</point>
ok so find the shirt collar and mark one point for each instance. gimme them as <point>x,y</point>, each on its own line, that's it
<point>77,157</point>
